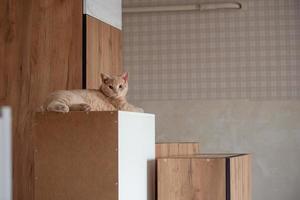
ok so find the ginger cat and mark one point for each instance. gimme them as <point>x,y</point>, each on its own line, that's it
<point>110,96</point>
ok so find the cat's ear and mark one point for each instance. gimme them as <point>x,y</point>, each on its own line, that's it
<point>125,76</point>
<point>105,78</point>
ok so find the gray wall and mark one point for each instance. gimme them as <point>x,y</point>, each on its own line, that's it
<point>270,130</point>
<point>227,79</point>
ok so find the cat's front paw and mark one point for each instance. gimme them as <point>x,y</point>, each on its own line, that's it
<point>85,107</point>
<point>58,108</point>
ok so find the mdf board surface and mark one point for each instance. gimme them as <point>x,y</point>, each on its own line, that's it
<point>40,51</point>
<point>205,177</point>
<point>94,155</point>
<point>176,149</point>
<point>103,51</point>
<point>76,156</point>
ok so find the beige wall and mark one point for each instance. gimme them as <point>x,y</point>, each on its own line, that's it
<point>227,79</point>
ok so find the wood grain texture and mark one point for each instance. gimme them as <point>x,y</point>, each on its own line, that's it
<point>40,51</point>
<point>103,51</point>
<point>191,178</point>
<point>205,177</point>
<point>108,11</point>
<point>241,178</point>
<point>176,149</point>
<point>75,160</point>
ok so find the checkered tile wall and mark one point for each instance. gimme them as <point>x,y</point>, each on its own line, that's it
<point>252,53</point>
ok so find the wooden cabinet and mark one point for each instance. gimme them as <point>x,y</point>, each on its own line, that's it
<point>95,155</point>
<point>176,149</point>
<point>204,177</point>
<point>103,51</point>
<point>102,37</point>
<point>43,47</point>
<point>107,11</point>
<point>40,51</point>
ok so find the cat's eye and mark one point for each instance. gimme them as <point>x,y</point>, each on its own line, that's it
<point>111,87</point>
<point>120,86</point>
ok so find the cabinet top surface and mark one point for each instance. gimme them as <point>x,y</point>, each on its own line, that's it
<point>92,114</point>
<point>207,156</point>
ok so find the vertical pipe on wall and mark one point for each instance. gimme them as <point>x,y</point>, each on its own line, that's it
<point>191,7</point>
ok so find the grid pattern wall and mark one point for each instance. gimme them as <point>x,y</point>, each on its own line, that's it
<point>252,53</point>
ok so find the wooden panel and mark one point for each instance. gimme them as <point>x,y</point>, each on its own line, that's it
<point>176,149</point>
<point>240,178</point>
<point>108,11</point>
<point>76,160</point>
<point>199,177</point>
<point>40,51</point>
<point>189,178</point>
<point>103,51</point>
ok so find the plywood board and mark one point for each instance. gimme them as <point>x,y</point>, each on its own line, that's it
<point>241,178</point>
<point>76,156</point>
<point>136,156</point>
<point>108,11</point>
<point>40,51</point>
<point>176,149</point>
<point>103,51</point>
<point>188,178</point>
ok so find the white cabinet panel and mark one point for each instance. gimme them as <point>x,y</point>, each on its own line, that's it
<point>136,156</point>
<point>5,154</point>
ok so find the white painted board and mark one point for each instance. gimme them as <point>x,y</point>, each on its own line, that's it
<point>136,156</point>
<point>108,11</point>
<point>5,154</point>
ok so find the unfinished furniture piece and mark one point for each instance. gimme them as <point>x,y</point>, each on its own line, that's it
<point>41,51</point>
<point>204,177</point>
<point>102,40</point>
<point>103,44</point>
<point>47,46</point>
<point>176,149</point>
<point>108,11</point>
<point>94,155</point>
